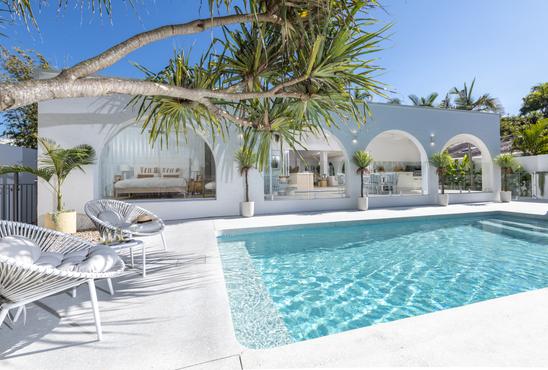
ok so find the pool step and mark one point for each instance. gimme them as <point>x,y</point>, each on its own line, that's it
<point>490,225</point>
<point>522,225</point>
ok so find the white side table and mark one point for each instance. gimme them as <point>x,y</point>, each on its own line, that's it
<point>130,244</point>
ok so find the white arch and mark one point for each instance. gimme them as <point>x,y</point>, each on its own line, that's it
<point>420,148</point>
<point>487,170</point>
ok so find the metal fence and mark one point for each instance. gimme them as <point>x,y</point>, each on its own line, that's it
<point>18,202</point>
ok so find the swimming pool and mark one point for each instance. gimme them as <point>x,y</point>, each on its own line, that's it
<point>293,284</point>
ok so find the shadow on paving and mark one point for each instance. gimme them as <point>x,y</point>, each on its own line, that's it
<point>167,273</point>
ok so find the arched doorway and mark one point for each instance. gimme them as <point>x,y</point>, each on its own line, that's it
<point>400,165</point>
<point>315,171</point>
<point>473,165</point>
<point>132,168</point>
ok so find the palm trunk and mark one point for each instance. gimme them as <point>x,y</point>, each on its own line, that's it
<point>246,187</point>
<point>361,189</point>
<point>59,198</point>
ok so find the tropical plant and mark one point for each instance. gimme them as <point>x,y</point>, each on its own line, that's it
<point>536,100</point>
<point>507,164</point>
<point>533,139</point>
<point>395,101</point>
<point>279,68</point>
<point>246,159</point>
<point>443,163</point>
<point>55,165</point>
<point>465,100</point>
<point>362,160</point>
<point>21,124</point>
<point>446,102</point>
<point>424,101</point>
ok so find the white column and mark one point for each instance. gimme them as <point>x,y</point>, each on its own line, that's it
<point>324,164</point>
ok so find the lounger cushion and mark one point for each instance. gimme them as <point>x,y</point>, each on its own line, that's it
<point>99,260</point>
<point>50,259</point>
<point>146,227</point>
<point>110,217</point>
<point>22,249</point>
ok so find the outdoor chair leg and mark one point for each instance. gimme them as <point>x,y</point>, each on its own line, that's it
<point>3,315</point>
<point>73,293</point>
<point>110,286</point>
<point>95,306</point>
<point>21,310</point>
<point>164,240</point>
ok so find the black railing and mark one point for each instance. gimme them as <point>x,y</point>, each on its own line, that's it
<point>18,202</point>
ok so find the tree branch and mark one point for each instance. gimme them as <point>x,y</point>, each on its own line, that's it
<point>117,52</point>
<point>15,95</point>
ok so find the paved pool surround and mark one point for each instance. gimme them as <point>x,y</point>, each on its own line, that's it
<point>179,315</point>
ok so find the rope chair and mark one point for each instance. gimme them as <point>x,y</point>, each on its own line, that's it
<point>21,284</point>
<point>127,213</point>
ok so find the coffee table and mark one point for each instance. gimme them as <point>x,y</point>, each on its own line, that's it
<point>130,244</point>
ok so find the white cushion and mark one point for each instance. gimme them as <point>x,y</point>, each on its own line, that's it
<point>110,217</point>
<point>21,249</point>
<point>100,260</point>
<point>50,259</point>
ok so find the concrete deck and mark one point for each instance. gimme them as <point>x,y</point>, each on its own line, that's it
<point>179,316</point>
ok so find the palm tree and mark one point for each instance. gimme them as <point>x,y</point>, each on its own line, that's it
<point>362,160</point>
<point>464,100</point>
<point>247,159</point>
<point>424,101</point>
<point>446,102</point>
<point>443,163</point>
<point>395,101</point>
<point>55,165</point>
<point>533,139</point>
<point>507,164</point>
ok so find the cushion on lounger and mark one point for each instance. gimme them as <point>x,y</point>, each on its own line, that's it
<point>147,227</point>
<point>21,249</point>
<point>100,260</point>
<point>50,259</point>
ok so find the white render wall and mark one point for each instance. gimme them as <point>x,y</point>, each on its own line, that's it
<point>95,121</point>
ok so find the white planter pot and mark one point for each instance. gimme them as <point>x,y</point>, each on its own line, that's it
<point>505,196</point>
<point>363,203</point>
<point>247,209</point>
<point>443,199</point>
<point>64,222</point>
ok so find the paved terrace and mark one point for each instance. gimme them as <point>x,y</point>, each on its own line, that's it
<point>179,316</point>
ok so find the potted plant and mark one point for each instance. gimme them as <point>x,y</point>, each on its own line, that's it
<point>54,166</point>
<point>507,164</point>
<point>246,159</point>
<point>443,162</point>
<point>362,160</point>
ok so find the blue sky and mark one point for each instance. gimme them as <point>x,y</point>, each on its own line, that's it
<point>434,44</point>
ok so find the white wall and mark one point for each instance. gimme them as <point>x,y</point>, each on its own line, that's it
<point>387,148</point>
<point>95,120</point>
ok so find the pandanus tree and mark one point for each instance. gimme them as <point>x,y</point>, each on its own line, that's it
<point>362,160</point>
<point>55,165</point>
<point>443,162</point>
<point>279,68</point>
<point>427,101</point>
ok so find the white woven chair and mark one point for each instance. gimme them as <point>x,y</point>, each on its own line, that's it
<point>128,213</point>
<point>21,284</point>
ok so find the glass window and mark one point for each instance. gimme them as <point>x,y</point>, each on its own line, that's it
<point>133,168</point>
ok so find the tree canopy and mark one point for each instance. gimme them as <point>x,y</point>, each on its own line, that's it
<point>536,101</point>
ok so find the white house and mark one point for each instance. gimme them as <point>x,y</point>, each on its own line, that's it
<point>198,177</point>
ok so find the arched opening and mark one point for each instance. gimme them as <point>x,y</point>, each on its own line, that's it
<point>472,169</point>
<point>317,171</point>
<point>400,165</point>
<point>132,168</point>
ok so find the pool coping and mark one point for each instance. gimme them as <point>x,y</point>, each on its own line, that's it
<point>308,353</point>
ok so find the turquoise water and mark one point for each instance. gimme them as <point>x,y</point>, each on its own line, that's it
<point>303,283</point>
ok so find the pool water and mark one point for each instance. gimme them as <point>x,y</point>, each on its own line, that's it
<point>306,282</point>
